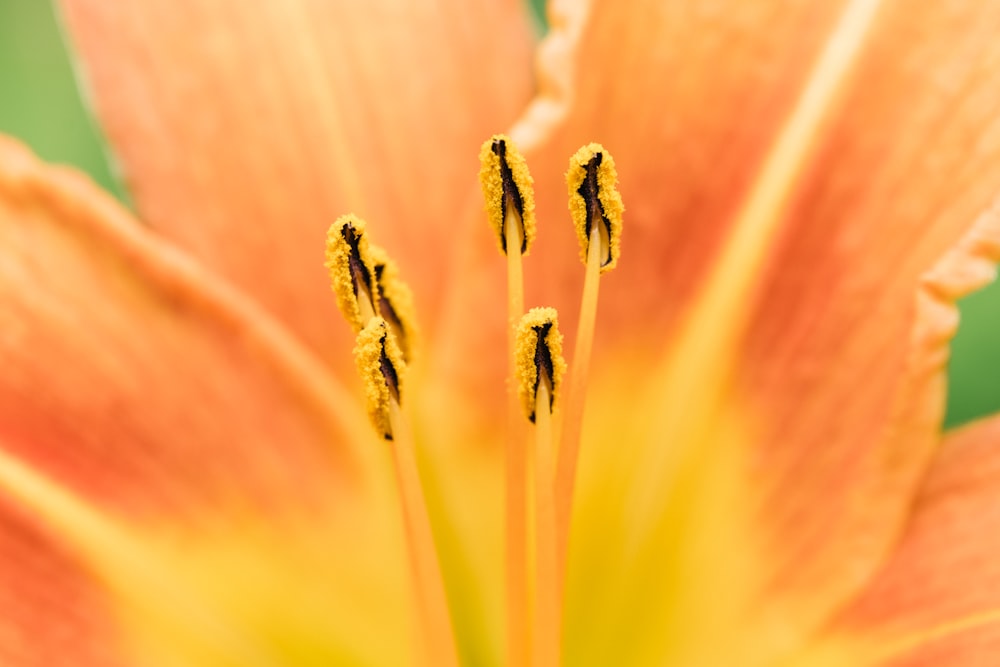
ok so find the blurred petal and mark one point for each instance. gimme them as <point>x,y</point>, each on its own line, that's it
<point>238,594</point>
<point>937,599</point>
<point>837,396</point>
<point>182,446</point>
<point>244,131</point>
<point>893,221</point>
<point>137,378</point>
<point>53,613</point>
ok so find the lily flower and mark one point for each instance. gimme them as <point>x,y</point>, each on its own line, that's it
<point>187,472</point>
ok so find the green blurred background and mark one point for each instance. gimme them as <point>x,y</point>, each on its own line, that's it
<point>40,103</point>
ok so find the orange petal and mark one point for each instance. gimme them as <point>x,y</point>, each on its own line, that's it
<point>937,599</point>
<point>235,592</point>
<point>165,431</point>
<point>138,379</point>
<point>244,132</point>
<point>840,324</point>
<point>884,231</point>
<point>687,98</point>
<point>53,614</point>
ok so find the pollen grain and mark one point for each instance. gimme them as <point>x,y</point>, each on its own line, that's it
<point>508,191</point>
<point>349,261</point>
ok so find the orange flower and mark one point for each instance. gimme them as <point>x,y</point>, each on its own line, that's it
<point>186,472</point>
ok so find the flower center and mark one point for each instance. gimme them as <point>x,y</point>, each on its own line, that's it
<point>539,489</point>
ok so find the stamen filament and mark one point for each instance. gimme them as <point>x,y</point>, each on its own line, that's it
<point>365,307</point>
<point>516,544</point>
<point>515,273</point>
<point>545,586</point>
<point>539,370</point>
<point>596,209</point>
<point>383,371</point>
<point>431,600</point>
<point>569,447</point>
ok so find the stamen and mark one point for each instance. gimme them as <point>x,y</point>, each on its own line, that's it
<point>395,303</point>
<point>510,209</point>
<point>540,367</point>
<point>508,192</point>
<point>546,594</point>
<point>349,261</point>
<point>594,200</point>
<point>596,208</point>
<point>539,359</point>
<point>380,362</point>
<point>432,602</point>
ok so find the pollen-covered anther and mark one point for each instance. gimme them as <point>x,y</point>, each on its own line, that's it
<point>352,270</point>
<point>538,358</point>
<point>395,302</point>
<point>507,191</point>
<point>380,363</point>
<point>594,199</point>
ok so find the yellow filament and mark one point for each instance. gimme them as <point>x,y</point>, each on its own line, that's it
<point>540,368</point>
<point>516,589</point>
<point>591,172</point>
<point>439,638</point>
<point>382,369</point>
<point>515,272</point>
<point>366,310</point>
<point>138,574</point>
<point>505,180</point>
<point>569,448</point>
<point>380,363</point>
<point>546,587</point>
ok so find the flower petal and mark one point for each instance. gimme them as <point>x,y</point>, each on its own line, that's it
<point>892,221</point>
<point>139,379</point>
<point>829,352</point>
<point>215,595</point>
<point>53,614</point>
<point>245,131</point>
<point>937,599</point>
<point>181,445</point>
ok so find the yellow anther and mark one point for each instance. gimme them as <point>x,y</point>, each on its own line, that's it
<point>380,363</point>
<point>538,358</point>
<point>349,261</point>
<point>593,196</point>
<point>507,190</point>
<point>395,303</point>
